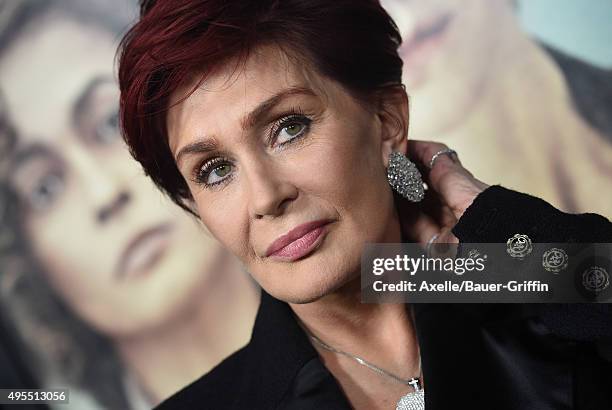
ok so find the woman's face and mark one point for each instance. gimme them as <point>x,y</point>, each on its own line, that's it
<point>121,255</point>
<point>287,170</point>
<point>448,49</point>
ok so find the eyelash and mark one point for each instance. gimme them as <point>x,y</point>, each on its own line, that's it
<point>295,116</point>
<point>207,166</point>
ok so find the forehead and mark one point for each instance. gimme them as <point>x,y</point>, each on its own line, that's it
<point>46,69</point>
<point>228,94</point>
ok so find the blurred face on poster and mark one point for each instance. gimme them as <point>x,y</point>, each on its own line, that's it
<point>478,82</point>
<point>446,56</point>
<point>122,256</point>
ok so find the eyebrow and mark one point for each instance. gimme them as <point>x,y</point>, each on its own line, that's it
<point>33,153</point>
<point>83,101</point>
<point>249,121</point>
<point>29,153</point>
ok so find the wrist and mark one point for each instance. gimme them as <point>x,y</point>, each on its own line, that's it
<point>472,190</point>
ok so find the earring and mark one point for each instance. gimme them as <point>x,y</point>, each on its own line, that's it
<point>404,177</point>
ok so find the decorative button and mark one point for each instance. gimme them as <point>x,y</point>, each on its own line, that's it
<point>473,253</point>
<point>519,246</point>
<point>555,260</point>
<point>595,279</point>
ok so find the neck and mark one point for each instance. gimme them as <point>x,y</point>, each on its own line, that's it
<point>382,334</point>
<point>525,112</point>
<point>193,342</point>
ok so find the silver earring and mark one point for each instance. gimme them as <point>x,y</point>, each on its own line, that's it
<point>404,177</point>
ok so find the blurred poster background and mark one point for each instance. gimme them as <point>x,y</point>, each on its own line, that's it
<point>520,111</point>
<point>108,288</point>
<point>111,289</point>
<point>578,28</point>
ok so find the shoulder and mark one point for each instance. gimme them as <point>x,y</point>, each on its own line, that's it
<point>590,88</point>
<point>210,390</point>
<point>257,376</point>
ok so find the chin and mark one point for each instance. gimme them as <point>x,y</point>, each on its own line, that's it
<point>300,297</point>
<point>325,271</point>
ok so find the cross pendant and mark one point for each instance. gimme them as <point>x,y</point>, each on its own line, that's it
<point>415,383</point>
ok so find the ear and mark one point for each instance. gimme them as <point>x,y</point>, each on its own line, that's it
<point>393,113</point>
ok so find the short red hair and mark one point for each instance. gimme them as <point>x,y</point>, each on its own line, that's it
<point>353,42</point>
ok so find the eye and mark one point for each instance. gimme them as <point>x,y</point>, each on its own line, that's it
<point>107,131</point>
<point>291,128</point>
<point>289,132</point>
<point>45,191</point>
<point>213,172</point>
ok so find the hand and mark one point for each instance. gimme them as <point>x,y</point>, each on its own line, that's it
<point>451,190</point>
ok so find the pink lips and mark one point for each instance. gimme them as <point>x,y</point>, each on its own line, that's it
<point>298,242</point>
<point>143,251</point>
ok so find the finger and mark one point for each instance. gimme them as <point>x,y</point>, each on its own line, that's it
<point>424,229</point>
<point>423,151</point>
<point>446,236</point>
<point>448,218</point>
<point>441,246</point>
<point>435,206</point>
<point>455,185</point>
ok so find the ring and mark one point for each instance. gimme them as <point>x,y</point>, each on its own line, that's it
<point>445,151</point>
<point>430,242</point>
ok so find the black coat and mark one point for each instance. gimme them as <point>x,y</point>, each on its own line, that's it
<point>474,356</point>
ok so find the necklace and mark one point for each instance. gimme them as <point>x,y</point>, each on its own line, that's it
<point>410,401</point>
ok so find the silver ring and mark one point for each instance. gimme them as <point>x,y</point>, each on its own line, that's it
<point>445,151</point>
<point>430,242</point>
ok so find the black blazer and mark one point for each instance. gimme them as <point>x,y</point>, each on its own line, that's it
<point>474,356</point>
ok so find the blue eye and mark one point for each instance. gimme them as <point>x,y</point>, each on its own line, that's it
<point>107,131</point>
<point>45,191</point>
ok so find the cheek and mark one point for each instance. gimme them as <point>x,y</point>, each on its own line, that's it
<point>43,231</point>
<point>362,185</point>
<point>226,218</point>
<point>351,164</point>
<point>66,262</point>
<point>345,170</point>
<point>68,268</point>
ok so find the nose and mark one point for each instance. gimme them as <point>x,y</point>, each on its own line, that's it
<point>115,206</point>
<point>106,193</point>
<point>269,191</point>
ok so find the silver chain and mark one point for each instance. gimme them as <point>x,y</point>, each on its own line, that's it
<point>415,382</point>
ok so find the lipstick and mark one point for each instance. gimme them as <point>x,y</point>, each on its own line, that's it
<point>143,251</point>
<point>298,242</point>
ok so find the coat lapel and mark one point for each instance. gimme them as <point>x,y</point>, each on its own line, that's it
<point>282,368</point>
